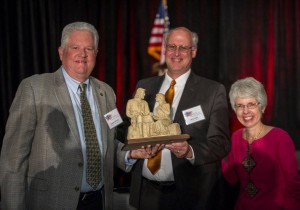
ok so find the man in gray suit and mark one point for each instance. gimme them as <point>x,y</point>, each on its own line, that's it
<point>44,156</point>
<point>190,170</point>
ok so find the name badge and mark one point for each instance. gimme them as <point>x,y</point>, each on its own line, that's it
<point>193,115</point>
<point>113,118</point>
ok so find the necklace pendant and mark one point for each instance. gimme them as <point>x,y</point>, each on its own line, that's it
<point>248,163</point>
<point>251,189</point>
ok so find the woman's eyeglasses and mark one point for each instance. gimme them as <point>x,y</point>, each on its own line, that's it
<point>249,106</point>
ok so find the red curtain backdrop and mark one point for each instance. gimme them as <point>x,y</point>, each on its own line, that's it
<point>236,39</point>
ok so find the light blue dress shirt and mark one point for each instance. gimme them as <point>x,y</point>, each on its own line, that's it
<point>74,90</point>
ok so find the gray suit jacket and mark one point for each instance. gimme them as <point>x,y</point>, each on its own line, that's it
<point>41,158</point>
<point>196,184</point>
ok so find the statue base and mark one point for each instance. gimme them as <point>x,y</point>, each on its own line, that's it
<point>168,139</point>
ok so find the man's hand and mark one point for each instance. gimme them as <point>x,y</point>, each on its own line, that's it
<point>180,149</point>
<point>145,152</point>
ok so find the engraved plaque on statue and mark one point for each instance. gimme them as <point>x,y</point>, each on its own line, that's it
<point>147,128</point>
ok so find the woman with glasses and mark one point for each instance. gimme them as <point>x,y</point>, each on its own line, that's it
<point>262,158</point>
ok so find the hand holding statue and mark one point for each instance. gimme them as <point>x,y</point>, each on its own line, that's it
<point>145,152</point>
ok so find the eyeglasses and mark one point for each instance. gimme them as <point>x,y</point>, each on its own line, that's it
<point>249,106</point>
<point>182,49</point>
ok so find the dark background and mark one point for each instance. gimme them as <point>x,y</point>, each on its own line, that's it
<point>237,38</point>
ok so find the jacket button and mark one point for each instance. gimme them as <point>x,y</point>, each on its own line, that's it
<point>80,164</point>
<point>76,188</point>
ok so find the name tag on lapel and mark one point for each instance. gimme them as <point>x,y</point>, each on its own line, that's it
<point>193,115</point>
<point>113,118</point>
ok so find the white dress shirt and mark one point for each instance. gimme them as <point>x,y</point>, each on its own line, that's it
<point>165,173</point>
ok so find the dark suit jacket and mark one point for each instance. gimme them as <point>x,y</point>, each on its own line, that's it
<point>209,140</point>
<point>41,158</point>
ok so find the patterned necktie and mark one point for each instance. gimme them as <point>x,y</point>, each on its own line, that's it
<point>92,146</point>
<point>154,163</point>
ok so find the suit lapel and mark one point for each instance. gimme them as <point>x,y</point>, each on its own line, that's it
<point>64,101</point>
<point>187,95</point>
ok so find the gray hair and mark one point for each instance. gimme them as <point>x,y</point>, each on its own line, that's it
<point>246,88</point>
<point>78,26</point>
<point>193,35</point>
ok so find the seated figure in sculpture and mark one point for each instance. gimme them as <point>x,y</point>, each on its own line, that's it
<point>137,110</point>
<point>161,117</point>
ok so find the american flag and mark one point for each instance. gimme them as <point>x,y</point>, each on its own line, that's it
<point>188,114</point>
<point>160,26</point>
<point>108,117</point>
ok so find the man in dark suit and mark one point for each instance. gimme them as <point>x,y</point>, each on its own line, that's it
<point>44,152</point>
<point>189,173</point>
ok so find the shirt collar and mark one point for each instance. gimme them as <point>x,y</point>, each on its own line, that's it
<point>72,83</point>
<point>181,80</point>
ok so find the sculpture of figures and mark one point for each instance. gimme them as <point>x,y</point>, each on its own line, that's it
<point>144,123</point>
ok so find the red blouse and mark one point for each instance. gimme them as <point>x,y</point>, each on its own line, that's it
<point>275,174</point>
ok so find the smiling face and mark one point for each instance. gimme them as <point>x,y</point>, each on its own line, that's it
<point>249,116</point>
<point>79,55</point>
<point>179,62</point>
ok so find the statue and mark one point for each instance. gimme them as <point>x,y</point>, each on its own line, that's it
<point>146,124</point>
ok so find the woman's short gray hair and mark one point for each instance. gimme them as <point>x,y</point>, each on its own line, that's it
<point>193,34</point>
<point>78,26</point>
<point>248,88</point>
